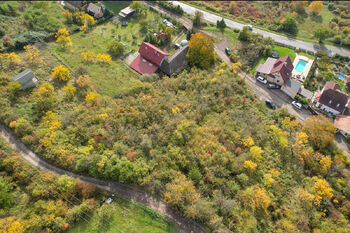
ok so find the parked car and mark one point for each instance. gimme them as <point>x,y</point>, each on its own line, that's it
<point>275,54</point>
<point>297,105</point>
<point>250,27</point>
<point>177,46</point>
<point>273,86</point>
<point>228,51</point>
<point>270,104</point>
<point>125,23</point>
<point>261,79</point>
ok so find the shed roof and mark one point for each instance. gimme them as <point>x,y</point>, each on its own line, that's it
<point>291,87</point>
<point>96,10</point>
<point>26,79</point>
<point>306,93</point>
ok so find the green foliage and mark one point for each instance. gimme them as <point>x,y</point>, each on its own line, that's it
<point>6,197</point>
<point>115,48</point>
<point>39,20</point>
<point>244,35</point>
<point>29,37</point>
<point>290,24</point>
<point>221,24</point>
<point>321,33</point>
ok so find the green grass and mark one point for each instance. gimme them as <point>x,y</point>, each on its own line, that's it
<point>285,52</point>
<point>115,7</point>
<point>128,217</point>
<point>231,35</point>
<point>260,61</point>
<point>116,77</point>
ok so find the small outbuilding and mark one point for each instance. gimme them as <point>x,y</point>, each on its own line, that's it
<point>94,10</point>
<point>126,13</point>
<point>26,79</point>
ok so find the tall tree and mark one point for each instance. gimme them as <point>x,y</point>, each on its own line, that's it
<point>197,19</point>
<point>322,33</point>
<point>201,51</point>
<point>316,7</point>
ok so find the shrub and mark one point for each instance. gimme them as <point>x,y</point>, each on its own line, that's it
<point>115,48</point>
<point>29,37</point>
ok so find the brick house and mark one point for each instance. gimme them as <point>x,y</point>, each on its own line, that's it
<point>276,71</point>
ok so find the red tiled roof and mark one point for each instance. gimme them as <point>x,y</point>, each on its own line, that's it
<point>343,123</point>
<point>143,66</point>
<point>152,53</point>
<point>331,85</point>
<point>284,66</point>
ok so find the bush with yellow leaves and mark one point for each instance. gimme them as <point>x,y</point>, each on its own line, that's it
<point>63,38</point>
<point>32,54</point>
<point>61,73</point>
<point>69,92</point>
<point>91,97</point>
<point>104,58</point>
<point>88,56</point>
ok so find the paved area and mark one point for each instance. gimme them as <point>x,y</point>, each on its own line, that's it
<point>183,224</point>
<point>282,39</point>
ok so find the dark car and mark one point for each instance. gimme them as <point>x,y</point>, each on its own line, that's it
<point>270,104</point>
<point>273,86</point>
<point>125,23</point>
<point>313,111</point>
<point>228,51</point>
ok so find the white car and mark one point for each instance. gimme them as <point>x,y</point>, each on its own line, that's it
<point>297,105</point>
<point>261,79</point>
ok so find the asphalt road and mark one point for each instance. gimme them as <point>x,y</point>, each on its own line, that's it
<point>282,39</point>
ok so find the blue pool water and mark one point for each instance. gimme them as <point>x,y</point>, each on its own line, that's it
<point>341,77</point>
<point>300,66</point>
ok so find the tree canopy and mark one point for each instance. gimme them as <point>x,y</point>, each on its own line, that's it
<point>201,51</point>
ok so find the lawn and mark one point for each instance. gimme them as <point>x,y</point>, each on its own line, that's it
<point>307,55</point>
<point>115,7</point>
<point>231,35</point>
<point>128,217</point>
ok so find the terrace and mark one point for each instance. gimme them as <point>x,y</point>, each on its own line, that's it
<point>302,66</point>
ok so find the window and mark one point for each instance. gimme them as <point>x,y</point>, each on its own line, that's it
<point>338,105</point>
<point>330,101</point>
<point>278,81</point>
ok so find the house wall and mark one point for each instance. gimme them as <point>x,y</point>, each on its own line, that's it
<point>326,108</point>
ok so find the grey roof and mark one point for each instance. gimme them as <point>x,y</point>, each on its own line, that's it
<point>267,66</point>
<point>175,62</point>
<point>291,87</point>
<point>76,4</point>
<point>127,11</point>
<point>26,79</point>
<point>306,93</point>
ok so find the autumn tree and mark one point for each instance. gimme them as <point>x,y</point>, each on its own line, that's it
<point>321,190</point>
<point>32,54</point>
<point>13,59</point>
<point>180,191</point>
<point>69,92</point>
<point>201,51</point>
<point>115,48</point>
<point>256,152</point>
<point>316,7</point>
<point>44,98</point>
<point>63,38</point>
<point>256,198</point>
<point>61,73</point>
<point>250,166</point>
<point>88,21</point>
<point>320,131</point>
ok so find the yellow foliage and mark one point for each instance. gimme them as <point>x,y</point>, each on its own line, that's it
<point>256,198</point>
<point>325,164</point>
<point>250,166</point>
<point>235,66</point>
<point>316,6</point>
<point>213,80</point>
<point>103,116</point>
<point>302,138</point>
<point>248,142</point>
<point>268,180</point>
<point>46,90</point>
<point>223,64</point>
<point>48,138</point>
<point>175,110</point>
<point>69,91</point>
<point>322,190</point>
<point>104,58</point>
<point>91,97</point>
<point>289,124</point>
<point>256,152</point>
<point>305,197</point>
<point>51,120</point>
<point>63,38</point>
<point>60,73</point>
<point>33,54</point>
<point>11,225</point>
<point>219,72</point>
<point>283,142</point>
<point>13,59</point>
<point>62,32</point>
<point>275,173</point>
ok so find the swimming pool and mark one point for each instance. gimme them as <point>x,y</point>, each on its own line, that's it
<point>300,66</point>
<point>341,77</point>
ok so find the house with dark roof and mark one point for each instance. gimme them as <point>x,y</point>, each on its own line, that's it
<point>342,123</point>
<point>276,71</point>
<point>151,59</point>
<point>26,79</point>
<point>94,10</point>
<point>331,99</point>
<point>175,62</point>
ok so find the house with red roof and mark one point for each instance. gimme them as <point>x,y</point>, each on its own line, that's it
<point>276,71</point>
<point>151,59</point>
<point>331,99</point>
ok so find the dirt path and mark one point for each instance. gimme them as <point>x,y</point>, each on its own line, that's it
<point>182,223</point>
